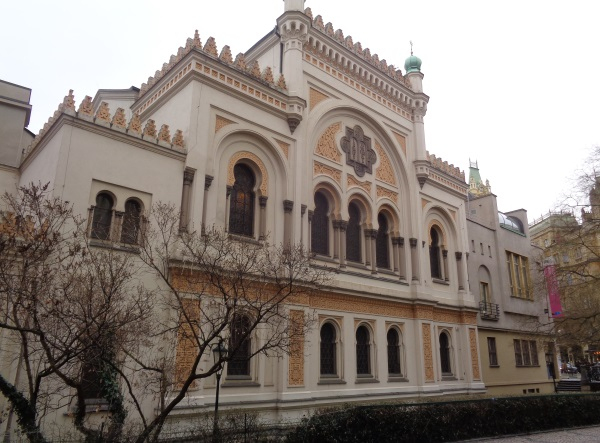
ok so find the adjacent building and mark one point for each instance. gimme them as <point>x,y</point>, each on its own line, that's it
<point>516,357</point>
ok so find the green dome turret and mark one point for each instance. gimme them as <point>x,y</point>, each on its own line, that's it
<point>412,64</point>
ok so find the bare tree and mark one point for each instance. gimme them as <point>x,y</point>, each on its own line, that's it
<point>135,327</point>
<point>63,308</point>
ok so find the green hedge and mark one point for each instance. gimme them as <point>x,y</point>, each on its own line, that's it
<point>451,421</point>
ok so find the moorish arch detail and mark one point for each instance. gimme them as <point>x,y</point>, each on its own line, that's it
<point>322,169</point>
<point>384,192</point>
<point>264,185</point>
<point>285,147</point>
<point>326,146</point>
<point>221,122</point>
<point>315,98</point>
<point>352,182</point>
<point>401,141</point>
<point>439,226</point>
<point>384,172</point>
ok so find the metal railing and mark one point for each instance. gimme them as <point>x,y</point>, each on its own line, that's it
<point>489,311</point>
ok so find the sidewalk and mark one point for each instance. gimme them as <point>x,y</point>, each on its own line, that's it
<point>577,435</point>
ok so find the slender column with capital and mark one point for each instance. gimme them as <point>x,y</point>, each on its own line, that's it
<point>184,215</point>
<point>367,236</point>
<point>401,259</point>
<point>310,217</point>
<point>288,206</point>
<point>302,211</point>
<point>445,258</point>
<point>336,239</point>
<point>414,259</point>
<point>207,182</point>
<point>343,226</point>
<point>227,206</point>
<point>395,241</point>
<point>373,235</point>
<point>262,202</point>
<point>459,270</point>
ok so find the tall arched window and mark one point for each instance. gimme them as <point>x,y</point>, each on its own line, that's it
<point>240,344</point>
<point>320,225</point>
<point>363,351</point>
<point>393,349</point>
<point>102,218</point>
<point>382,243</point>
<point>131,222</point>
<point>241,207</point>
<point>328,352</point>
<point>353,234</point>
<point>445,354</point>
<point>434,254</point>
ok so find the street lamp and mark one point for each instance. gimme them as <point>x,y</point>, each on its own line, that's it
<point>219,353</point>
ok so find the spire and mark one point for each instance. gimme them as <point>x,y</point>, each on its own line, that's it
<point>477,188</point>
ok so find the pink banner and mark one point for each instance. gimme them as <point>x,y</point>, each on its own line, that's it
<point>553,294</point>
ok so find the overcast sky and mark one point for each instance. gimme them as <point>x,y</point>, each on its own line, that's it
<point>513,84</point>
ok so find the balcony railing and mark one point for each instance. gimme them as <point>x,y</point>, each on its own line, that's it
<point>489,311</point>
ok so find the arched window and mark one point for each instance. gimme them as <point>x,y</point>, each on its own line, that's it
<point>393,349</point>
<point>445,354</point>
<point>328,352</point>
<point>240,344</point>
<point>131,222</point>
<point>241,208</point>
<point>102,218</point>
<point>363,351</point>
<point>353,234</point>
<point>320,225</point>
<point>382,243</point>
<point>434,254</point>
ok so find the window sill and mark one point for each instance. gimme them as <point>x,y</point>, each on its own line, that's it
<point>107,244</point>
<point>331,381</point>
<point>240,384</point>
<point>527,366</point>
<point>243,238</point>
<point>366,379</point>
<point>516,297</point>
<point>448,378</point>
<point>399,378</point>
<point>440,281</point>
<point>494,366</point>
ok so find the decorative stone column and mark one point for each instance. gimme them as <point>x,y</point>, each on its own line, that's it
<point>310,217</point>
<point>445,259</point>
<point>367,235</point>
<point>207,182</point>
<point>459,270</point>
<point>262,202</point>
<point>401,259</point>
<point>116,226</point>
<point>414,259</point>
<point>336,238</point>
<point>343,226</point>
<point>302,211</point>
<point>373,235</point>
<point>395,241</point>
<point>184,215</point>
<point>288,206</point>
<point>227,206</point>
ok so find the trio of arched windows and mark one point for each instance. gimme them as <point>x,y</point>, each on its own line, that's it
<point>107,224</point>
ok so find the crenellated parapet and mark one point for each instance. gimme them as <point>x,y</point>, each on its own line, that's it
<point>211,50</point>
<point>116,122</point>
<point>440,165</point>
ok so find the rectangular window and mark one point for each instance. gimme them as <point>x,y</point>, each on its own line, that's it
<point>518,275</point>
<point>484,291</point>
<point>526,353</point>
<point>492,351</point>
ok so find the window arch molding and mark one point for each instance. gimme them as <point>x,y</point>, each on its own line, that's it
<point>330,349</point>
<point>446,353</point>
<point>365,350</point>
<point>396,357</point>
<point>358,217</point>
<point>449,256</point>
<point>257,166</point>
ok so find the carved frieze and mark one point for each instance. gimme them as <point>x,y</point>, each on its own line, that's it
<point>326,146</point>
<point>221,122</point>
<point>352,181</point>
<point>359,153</point>
<point>384,172</point>
<point>296,360</point>
<point>384,192</point>
<point>321,169</point>
<point>474,353</point>
<point>427,352</point>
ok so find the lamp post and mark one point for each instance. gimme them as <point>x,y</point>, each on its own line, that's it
<point>219,352</point>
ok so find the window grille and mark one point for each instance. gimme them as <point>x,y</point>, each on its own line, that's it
<point>393,348</point>
<point>328,350</point>
<point>434,255</point>
<point>363,351</point>
<point>241,207</point>
<point>131,222</point>
<point>320,225</point>
<point>382,243</point>
<point>445,354</point>
<point>102,217</point>
<point>353,252</point>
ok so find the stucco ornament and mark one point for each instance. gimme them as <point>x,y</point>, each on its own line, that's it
<point>359,153</point>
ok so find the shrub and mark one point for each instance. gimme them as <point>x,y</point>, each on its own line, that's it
<point>451,421</point>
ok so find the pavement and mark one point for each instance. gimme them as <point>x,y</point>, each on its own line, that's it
<point>577,435</point>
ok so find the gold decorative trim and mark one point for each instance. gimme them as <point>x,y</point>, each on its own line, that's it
<point>353,182</point>
<point>439,226</point>
<point>401,141</point>
<point>221,122</point>
<point>285,147</point>
<point>350,303</point>
<point>384,172</point>
<point>474,353</point>
<point>326,146</point>
<point>383,192</point>
<point>315,97</point>
<point>321,169</point>
<point>264,185</point>
<point>296,360</point>
<point>427,352</point>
